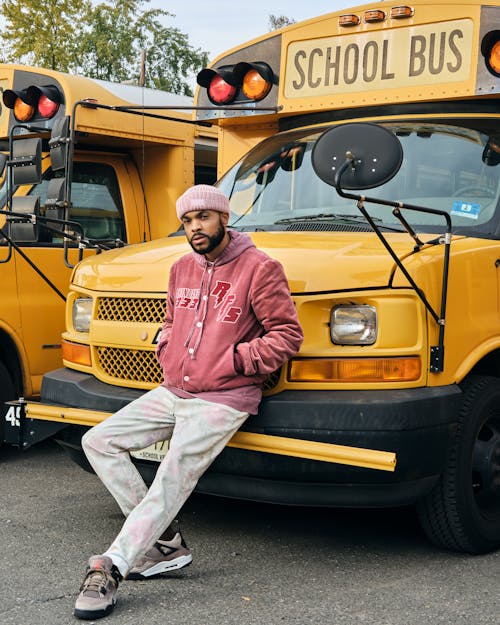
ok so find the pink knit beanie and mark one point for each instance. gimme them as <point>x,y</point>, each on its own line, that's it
<point>202,197</point>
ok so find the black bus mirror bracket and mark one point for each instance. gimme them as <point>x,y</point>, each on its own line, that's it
<point>55,203</point>
<point>26,161</point>
<point>23,222</point>
<point>58,143</point>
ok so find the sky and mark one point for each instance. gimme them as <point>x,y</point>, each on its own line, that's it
<point>215,26</point>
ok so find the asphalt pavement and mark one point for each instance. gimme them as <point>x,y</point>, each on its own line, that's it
<point>252,563</point>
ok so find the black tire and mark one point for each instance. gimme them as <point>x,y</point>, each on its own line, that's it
<point>7,392</point>
<point>462,512</point>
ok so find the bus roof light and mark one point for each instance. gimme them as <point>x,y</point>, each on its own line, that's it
<point>206,76</point>
<point>374,16</point>
<point>47,99</point>
<point>494,58</point>
<point>19,102</point>
<point>23,112</point>
<point>490,49</point>
<point>401,12</point>
<point>349,20</point>
<point>256,79</point>
<point>220,84</point>
<point>220,91</point>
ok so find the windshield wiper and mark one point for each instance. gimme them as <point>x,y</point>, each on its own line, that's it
<point>344,218</point>
<point>327,217</point>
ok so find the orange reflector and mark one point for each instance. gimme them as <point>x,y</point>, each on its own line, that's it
<point>374,16</point>
<point>77,353</point>
<point>494,57</point>
<point>23,112</point>
<point>254,86</point>
<point>400,369</point>
<point>349,20</point>
<point>401,12</point>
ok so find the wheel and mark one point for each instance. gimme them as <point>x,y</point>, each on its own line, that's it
<point>7,392</point>
<point>462,512</point>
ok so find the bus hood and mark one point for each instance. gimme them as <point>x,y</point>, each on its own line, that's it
<point>313,262</point>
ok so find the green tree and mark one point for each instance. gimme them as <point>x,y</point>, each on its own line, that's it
<point>119,33</point>
<point>105,40</point>
<point>279,21</point>
<point>42,34</point>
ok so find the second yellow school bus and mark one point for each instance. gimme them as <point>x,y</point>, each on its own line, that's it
<point>124,168</point>
<point>396,280</point>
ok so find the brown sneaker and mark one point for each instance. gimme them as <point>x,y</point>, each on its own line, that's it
<point>97,596</point>
<point>163,556</point>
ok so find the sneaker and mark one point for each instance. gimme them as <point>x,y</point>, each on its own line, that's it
<point>97,596</point>
<point>162,557</point>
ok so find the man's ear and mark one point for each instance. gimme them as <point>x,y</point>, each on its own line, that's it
<point>224,217</point>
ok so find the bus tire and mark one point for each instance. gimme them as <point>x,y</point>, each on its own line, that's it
<point>462,512</point>
<point>7,392</point>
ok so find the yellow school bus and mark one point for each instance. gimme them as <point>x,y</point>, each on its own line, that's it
<point>117,172</point>
<point>360,149</point>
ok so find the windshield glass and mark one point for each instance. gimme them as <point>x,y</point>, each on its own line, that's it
<point>447,167</point>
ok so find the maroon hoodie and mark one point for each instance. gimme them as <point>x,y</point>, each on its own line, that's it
<point>228,325</point>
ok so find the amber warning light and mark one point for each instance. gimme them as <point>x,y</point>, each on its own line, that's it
<point>490,49</point>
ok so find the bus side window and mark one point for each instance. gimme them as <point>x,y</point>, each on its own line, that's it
<point>95,201</point>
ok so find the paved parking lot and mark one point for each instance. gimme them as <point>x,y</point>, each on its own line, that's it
<point>251,563</point>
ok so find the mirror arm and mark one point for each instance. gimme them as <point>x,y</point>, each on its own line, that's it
<point>75,225</point>
<point>395,257</point>
<point>397,213</point>
<point>437,351</point>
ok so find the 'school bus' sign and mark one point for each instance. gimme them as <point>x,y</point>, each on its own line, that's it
<point>402,57</point>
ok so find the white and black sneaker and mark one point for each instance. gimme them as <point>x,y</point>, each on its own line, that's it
<point>164,556</point>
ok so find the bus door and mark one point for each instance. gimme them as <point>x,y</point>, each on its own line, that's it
<point>101,194</point>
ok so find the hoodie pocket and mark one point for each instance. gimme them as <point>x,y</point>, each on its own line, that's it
<point>223,369</point>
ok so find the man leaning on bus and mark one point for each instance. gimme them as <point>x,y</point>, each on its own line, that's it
<point>230,321</point>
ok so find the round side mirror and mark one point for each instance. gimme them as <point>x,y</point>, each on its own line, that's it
<point>374,153</point>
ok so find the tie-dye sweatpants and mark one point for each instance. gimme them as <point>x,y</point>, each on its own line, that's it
<point>198,431</point>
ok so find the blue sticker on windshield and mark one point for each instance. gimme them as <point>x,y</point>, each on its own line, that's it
<point>466,209</point>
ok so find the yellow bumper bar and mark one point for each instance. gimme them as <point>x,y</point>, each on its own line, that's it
<point>299,448</point>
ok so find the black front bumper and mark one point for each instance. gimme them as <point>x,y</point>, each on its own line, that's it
<point>416,424</point>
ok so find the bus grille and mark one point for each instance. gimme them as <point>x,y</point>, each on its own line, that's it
<point>130,365</point>
<point>131,309</point>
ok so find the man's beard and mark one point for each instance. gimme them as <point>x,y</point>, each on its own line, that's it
<point>213,241</point>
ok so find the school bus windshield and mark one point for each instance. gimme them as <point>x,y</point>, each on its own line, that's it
<point>453,168</point>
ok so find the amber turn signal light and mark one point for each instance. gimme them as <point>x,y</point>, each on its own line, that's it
<point>77,353</point>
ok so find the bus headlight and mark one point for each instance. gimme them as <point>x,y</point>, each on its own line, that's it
<point>353,324</point>
<point>82,314</point>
